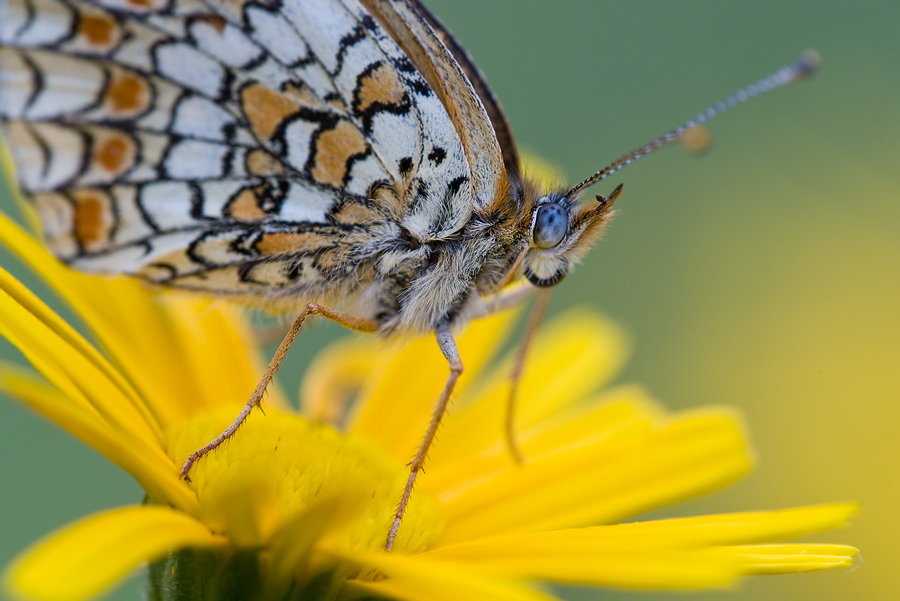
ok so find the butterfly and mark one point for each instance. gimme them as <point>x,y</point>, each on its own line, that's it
<point>295,153</point>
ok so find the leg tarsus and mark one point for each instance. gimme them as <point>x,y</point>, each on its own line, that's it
<point>348,321</point>
<point>451,353</point>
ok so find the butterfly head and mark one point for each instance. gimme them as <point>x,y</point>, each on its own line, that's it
<point>562,230</point>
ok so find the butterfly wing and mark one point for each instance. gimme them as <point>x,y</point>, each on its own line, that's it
<point>502,129</point>
<point>432,58</point>
<point>221,146</point>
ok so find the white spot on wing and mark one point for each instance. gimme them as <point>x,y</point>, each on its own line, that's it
<point>198,117</point>
<point>305,203</point>
<point>230,45</point>
<point>363,174</point>
<point>322,23</point>
<point>193,159</point>
<point>65,147</point>
<point>168,204</point>
<point>130,259</point>
<point>130,224</point>
<point>70,85</point>
<point>51,23</point>
<point>189,67</point>
<point>16,83</point>
<point>297,135</point>
<point>278,37</point>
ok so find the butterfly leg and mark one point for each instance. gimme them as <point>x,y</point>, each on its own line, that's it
<point>352,322</point>
<point>515,375</point>
<point>509,299</point>
<point>448,347</point>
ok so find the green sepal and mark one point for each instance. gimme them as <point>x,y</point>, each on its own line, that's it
<point>203,575</point>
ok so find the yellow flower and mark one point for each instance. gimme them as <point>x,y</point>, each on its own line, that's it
<point>294,506</point>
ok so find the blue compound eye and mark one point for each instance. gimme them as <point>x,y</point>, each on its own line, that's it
<point>550,226</point>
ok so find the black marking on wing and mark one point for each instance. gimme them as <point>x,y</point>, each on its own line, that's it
<point>369,23</point>
<point>401,108</point>
<point>245,271</point>
<point>457,183</point>
<point>28,20</point>
<point>45,150</point>
<point>196,201</point>
<point>85,159</point>
<point>358,34</point>
<point>165,267</point>
<point>37,79</point>
<point>327,121</point>
<point>437,155</point>
<point>139,203</point>
<point>418,85</point>
<point>171,142</point>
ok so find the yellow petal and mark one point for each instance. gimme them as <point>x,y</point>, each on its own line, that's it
<point>604,480</point>
<point>335,376</point>
<point>547,174</point>
<point>156,475</point>
<point>132,324</point>
<point>28,324</point>
<point>88,557</point>
<point>419,589</point>
<point>794,559</point>
<point>399,398</point>
<point>650,568</point>
<point>692,532</point>
<point>676,553</point>
<point>215,342</point>
<point>86,301</point>
<point>290,550</point>
<point>622,412</point>
<point>412,579</point>
<point>741,528</point>
<point>42,317</point>
<point>572,356</point>
<point>132,330</point>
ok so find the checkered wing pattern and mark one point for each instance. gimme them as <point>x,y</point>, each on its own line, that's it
<point>234,147</point>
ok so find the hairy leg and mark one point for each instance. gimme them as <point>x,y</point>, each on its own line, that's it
<point>515,375</point>
<point>348,321</point>
<point>448,347</point>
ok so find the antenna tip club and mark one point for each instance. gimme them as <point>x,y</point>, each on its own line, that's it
<point>696,140</point>
<point>807,64</point>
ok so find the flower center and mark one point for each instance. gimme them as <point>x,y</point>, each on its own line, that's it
<point>280,468</point>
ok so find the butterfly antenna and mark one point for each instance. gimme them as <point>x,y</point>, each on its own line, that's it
<point>798,70</point>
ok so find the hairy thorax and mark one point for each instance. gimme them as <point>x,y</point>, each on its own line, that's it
<point>442,263</point>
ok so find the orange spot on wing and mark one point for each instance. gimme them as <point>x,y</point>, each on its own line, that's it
<point>260,162</point>
<point>355,213</point>
<point>245,207</point>
<point>334,148</point>
<point>128,93</point>
<point>115,154</point>
<point>381,86</point>
<point>287,242</point>
<point>93,219</point>
<point>96,29</point>
<point>266,109</point>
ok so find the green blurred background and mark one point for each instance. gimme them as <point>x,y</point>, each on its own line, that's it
<point>764,274</point>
